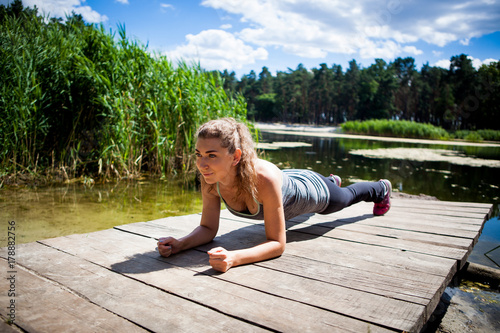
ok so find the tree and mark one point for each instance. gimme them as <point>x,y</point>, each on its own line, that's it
<point>463,78</point>
<point>405,95</point>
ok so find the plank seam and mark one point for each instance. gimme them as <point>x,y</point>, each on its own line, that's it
<point>305,303</point>
<point>14,326</point>
<point>74,292</point>
<point>152,286</point>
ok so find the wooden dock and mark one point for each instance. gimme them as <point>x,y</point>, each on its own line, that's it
<point>345,272</point>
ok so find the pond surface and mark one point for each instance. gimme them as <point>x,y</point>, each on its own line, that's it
<point>41,213</point>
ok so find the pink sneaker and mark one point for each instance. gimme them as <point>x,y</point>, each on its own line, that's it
<point>380,208</point>
<point>337,180</point>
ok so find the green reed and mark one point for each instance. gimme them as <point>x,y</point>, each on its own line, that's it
<point>76,98</point>
<point>399,128</point>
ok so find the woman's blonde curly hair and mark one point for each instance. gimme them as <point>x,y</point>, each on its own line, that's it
<point>234,135</point>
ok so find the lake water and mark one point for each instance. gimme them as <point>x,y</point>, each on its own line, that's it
<point>46,212</point>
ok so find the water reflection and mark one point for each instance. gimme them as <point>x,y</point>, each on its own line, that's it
<point>55,211</point>
<point>440,179</point>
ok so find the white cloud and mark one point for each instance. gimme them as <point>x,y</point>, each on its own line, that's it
<point>226,26</point>
<point>444,63</point>
<point>166,6</point>
<point>217,49</point>
<point>476,63</point>
<point>437,53</point>
<point>61,8</point>
<point>371,28</point>
<point>125,2</point>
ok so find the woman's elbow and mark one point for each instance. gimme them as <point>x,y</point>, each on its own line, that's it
<point>280,248</point>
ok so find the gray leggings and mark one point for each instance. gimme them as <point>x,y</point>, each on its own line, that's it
<point>342,197</point>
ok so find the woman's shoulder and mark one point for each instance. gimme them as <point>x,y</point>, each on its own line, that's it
<point>267,172</point>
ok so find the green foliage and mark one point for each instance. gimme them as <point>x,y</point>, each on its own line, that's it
<point>477,136</point>
<point>460,97</point>
<point>396,128</point>
<point>77,98</point>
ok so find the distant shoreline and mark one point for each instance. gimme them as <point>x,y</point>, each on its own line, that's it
<point>334,132</point>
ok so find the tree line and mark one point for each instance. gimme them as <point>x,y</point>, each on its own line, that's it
<point>457,98</point>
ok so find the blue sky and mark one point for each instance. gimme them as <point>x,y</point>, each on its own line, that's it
<point>242,36</point>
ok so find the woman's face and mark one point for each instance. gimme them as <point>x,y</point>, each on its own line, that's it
<point>214,162</point>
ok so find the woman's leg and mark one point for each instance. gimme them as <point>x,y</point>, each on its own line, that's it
<point>342,197</point>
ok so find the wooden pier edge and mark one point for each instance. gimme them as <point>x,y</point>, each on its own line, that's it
<point>344,272</point>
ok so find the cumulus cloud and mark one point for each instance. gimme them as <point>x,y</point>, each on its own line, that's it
<point>476,63</point>
<point>61,8</point>
<point>370,28</point>
<point>217,49</point>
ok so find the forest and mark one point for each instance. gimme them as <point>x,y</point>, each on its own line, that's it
<point>457,98</point>
<point>78,100</point>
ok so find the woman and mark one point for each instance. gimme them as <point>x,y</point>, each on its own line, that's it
<point>254,188</point>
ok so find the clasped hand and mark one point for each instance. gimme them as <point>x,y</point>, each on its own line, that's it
<point>219,258</point>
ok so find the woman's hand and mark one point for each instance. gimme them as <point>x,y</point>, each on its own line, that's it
<point>168,246</point>
<point>220,259</point>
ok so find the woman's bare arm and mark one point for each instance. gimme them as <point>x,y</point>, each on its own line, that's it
<point>274,217</point>
<point>202,234</point>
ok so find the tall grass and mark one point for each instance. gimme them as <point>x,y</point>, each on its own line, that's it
<point>401,128</point>
<point>479,135</point>
<point>77,98</point>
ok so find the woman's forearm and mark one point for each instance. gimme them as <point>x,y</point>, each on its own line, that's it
<point>264,251</point>
<point>199,236</point>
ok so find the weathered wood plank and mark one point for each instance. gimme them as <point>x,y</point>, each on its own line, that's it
<point>383,277</point>
<point>380,240</point>
<point>317,222</point>
<point>7,328</point>
<point>140,303</point>
<point>237,234</point>
<point>415,211</point>
<point>43,306</point>
<point>386,237</point>
<point>446,205</point>
<point>440,240</point>
<point>128,255</point>
<point>423,225</point>
<point>399,314</point>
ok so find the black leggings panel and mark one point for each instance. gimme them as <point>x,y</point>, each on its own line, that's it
<point>342,197</point>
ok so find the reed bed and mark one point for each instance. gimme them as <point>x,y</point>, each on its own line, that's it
<point>396,128</point>
<point>76,98</point>
<point>409,129</point>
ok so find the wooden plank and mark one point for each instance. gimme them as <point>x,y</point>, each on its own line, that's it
<point>144,305</point>
<point>440,240</point>
<point>130,255</point>
<point>399,314</point>
<point>472,206</point>
<point>235,234</point>
<point>383,278</point>
<point>398,218</point>
<point>7,328</point>
<point>365,209</point>
<point>423,225</point>
<point>380,240</point>
<point>43,306</point>
<point>382,288</point>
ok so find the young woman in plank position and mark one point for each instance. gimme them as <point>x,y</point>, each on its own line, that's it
<point>254,188</point>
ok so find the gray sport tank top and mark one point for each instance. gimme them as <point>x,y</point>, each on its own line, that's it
<point>304,191</point>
